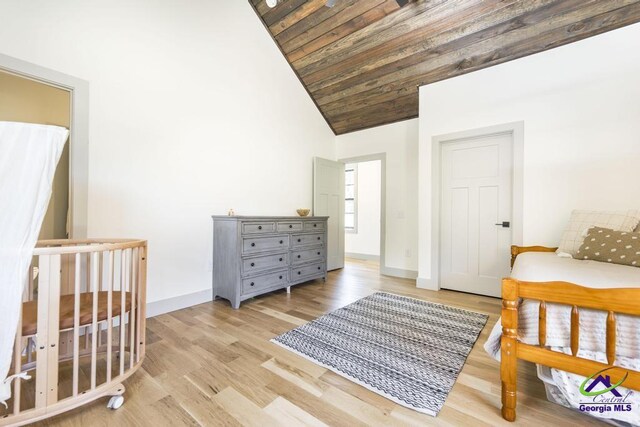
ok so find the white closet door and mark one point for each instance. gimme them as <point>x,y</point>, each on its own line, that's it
<point>476,209</point>
<point>328,200</point>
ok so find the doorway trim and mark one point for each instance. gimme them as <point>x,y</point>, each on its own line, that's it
<point>516,129</point>
<point>78,133</point>
<point>383,206</point>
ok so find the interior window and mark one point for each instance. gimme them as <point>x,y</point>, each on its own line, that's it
<point>350,202</point>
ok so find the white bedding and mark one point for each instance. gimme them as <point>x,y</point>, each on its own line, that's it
<point>546,267</point>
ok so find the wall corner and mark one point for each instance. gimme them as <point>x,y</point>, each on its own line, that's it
<point>429,284</point>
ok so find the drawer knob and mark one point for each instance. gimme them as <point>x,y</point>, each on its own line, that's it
<point>299,240</point>
<point>281,242</point>
<point>299,272</point>
<point>290,226</point>
<point>259,227</point>
<point>280,259</point>
<point>315,225</point>
<point>318,253</point>
<point>253,244</point>
<point>252,283</point>
<point>318,237</point>
<point>318,268</point>
<point>298,256</point>
<point>280,277</point>
<point>253,264</point>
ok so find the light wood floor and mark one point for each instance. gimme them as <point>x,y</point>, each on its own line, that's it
<point>211,365</point>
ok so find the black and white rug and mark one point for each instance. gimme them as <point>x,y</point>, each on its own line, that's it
<point>408,350</point>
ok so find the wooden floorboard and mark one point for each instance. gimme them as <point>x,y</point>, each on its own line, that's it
<point>210,365</point>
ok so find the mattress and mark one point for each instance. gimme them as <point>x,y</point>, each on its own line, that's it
<point>547,267</point>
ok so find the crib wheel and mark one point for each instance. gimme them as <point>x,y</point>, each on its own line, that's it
<point>115,402</point>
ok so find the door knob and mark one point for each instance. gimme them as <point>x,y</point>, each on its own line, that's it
<point>504,224</point>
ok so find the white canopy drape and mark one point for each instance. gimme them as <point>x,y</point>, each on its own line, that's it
<point>29,154</point>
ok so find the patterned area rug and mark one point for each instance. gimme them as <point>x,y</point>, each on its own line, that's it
<point>407,350</point>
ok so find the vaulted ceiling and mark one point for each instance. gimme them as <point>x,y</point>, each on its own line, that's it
<point>362,60</point>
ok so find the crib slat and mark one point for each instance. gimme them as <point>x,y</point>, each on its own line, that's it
<point>17,361</point>
<point>123,296</point>
<point>142,295</point>
<point>138,297</point>
<point>87,288</point>
<point>100,288</point>
<point>44,266</point>
<point>110,313</point>
<point>48,333</point>
<point>132,316</point>
<point>611,338</point>
<point>575,330</point>
<point>27,293</point>
<point>95,283</point>
<point>76,324</point>
<point>54,329</point>
<point>542,324</point>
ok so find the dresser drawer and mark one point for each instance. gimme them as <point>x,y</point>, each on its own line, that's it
<point>306,255</point>
<point>258,227</point>
<point>289,226</point>
<point>265,262</point>
<point>313,225</point>
<point>307,239</point>
<point>271,280</point>
<point>262,244</point>
<point>303,271</point>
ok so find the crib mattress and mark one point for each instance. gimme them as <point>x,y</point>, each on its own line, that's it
<point>30,310</point>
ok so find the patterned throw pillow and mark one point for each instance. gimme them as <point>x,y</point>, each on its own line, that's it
<point>581,221</point>
<point>606,245</point>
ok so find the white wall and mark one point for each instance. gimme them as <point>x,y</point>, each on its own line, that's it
<point>581,114</point>
<point>366,239</point>
<point>400,143</point>
<point>193,110</point>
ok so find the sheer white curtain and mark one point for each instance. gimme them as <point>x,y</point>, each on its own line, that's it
<point>29,154</point>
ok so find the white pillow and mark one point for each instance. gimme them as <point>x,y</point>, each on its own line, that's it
<point>581,221</point>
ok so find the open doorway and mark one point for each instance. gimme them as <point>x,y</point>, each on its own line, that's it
<point>26,100</point>
<point>365,210</point>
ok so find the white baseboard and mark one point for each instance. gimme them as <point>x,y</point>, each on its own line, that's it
<point>366,257</point>
<point>168,305</point>
<point>398,272</point>
<point>430,284</point>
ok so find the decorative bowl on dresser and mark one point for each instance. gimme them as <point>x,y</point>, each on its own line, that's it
<point>253,255</point>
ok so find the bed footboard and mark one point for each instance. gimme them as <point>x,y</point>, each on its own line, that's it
<point>612,301</point>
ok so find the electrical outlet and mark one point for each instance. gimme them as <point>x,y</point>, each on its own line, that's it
<point>408,253</point>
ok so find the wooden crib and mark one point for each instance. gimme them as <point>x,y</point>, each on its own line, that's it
<point>82,327</point>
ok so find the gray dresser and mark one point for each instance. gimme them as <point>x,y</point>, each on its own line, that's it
<point>253,255</point>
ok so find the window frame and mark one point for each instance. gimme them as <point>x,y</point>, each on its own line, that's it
<point>354,168</point>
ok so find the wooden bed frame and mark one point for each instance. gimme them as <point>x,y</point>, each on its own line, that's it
<point>624,301</point>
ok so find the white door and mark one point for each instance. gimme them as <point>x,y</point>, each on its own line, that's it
<point>475,213</point>
<point>328,200</point>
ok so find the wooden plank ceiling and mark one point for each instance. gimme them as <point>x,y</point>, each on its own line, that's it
<point>362,60</point>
